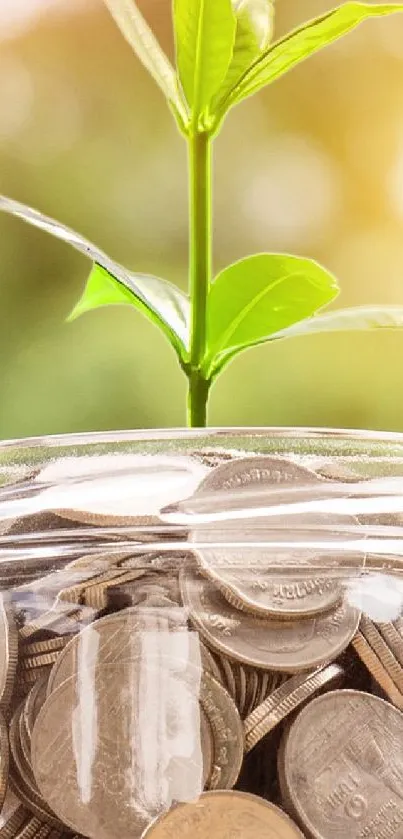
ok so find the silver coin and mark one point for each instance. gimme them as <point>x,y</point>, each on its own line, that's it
<point>283,565</point>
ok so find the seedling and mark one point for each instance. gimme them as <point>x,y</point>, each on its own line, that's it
<point>224,54</point>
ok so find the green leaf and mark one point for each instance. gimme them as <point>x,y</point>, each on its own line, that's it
<point>204,34</point>
<point>303,42</point>
<point>163,303</point>
<point>258,296</point>
<point>254,30</point>
<point>144,43</point>
<point>346,320</point>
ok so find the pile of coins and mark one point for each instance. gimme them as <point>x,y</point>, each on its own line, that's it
<point>225,686</point>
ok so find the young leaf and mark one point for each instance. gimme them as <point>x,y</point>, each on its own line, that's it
<point>144,43</point>
<point>298,45</point>
<point>163,303</point>
<point>254,29</point>
<point>345,320</point>
<point>258,296</point>
<point>204,34</point>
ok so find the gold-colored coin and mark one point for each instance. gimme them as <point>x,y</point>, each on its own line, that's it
<point>343,765</point>
<point>375,666</point>
<point>285,700</point>
<point>224,814</point>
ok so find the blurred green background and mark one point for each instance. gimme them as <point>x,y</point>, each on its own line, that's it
<point>312,166</point>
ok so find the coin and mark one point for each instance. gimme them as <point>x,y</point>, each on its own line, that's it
<point>28,678</point>
<point>143,588</point>
<point>13,821</point>
<point>206,735</point>
<point>131,778</point>
<point>4,759</point>
<point>61,619</point>
<point>33,829</point>
<point>8,652</point>
<point>32,802</point>
<point>252,689</point>
<point>256,471</point>
<point>343,765</point>
<point>394,640</point>
<point>375,666</point>
<point>241,683</point>
<point>336,471</point>
<point>32,705</point>
<point>35,661</point>
<point>117,637</point>
<point>210,663</point>
<point>274,580</point>
<point>213,458</point>
<point>96,570</point>
<point>383,651</point>
<point>270,578</point>
<point>285,700</point>
<point>229,676</point>
<point>236,815</point>
<point>43,647</point>
<point>22,777</point>
<point>286,646</point>
<point>227,730</point>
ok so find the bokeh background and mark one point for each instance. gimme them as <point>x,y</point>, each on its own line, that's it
<point>312,166</point>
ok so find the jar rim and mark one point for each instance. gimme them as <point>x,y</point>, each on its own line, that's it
<point>214,433</point>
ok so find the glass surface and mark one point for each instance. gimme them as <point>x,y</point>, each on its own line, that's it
<point>202,635</point>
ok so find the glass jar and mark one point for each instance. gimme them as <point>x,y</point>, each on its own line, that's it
<point>201,635</point>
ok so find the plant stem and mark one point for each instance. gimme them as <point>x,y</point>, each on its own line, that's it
<point>197,400</point>
<point>200,270</point>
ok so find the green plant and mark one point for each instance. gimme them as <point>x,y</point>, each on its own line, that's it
<point>224,54</point>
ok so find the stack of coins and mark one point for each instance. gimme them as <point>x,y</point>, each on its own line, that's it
<point>207,688</point>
